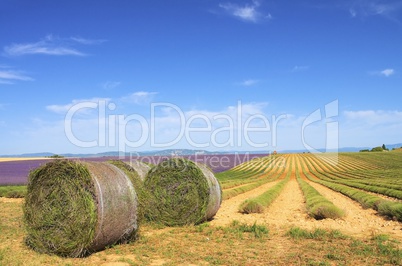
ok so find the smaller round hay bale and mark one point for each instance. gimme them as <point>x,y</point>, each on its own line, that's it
<point>136,171</point>
<point>182,193</point>
<point>141,168</point>
<point>74,208</point>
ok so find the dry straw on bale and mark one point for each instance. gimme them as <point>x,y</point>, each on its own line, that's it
<point>74,208</point>
<point>182,193</point>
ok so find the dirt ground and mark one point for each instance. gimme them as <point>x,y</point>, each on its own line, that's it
<point>168,246</point>
<point>289,210</point>
<point>22,159</point>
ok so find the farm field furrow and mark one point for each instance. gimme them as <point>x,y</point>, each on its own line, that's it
<point>357,221</point>
<point>327,177</point>
<point>229,210</point>
<point>317,205</point>
<point>290,207</point>
<point>331,177</point>
<point>380,203</point>
<point>239,180</point>
<point>301,183</point>
<point>229,193</point>
<point>348,178</point>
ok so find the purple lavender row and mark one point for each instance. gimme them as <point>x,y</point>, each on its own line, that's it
<point>16,172</point>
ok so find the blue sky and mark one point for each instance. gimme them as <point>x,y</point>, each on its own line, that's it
<point>94,76</point>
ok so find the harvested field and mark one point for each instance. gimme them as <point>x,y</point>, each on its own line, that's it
<point>284,233</point>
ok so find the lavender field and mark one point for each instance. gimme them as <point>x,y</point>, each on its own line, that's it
<point>16,172</point>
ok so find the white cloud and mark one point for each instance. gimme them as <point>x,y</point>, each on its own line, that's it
<point>39,48</point>
<point>388,9</point>
<point>370,128</point>
<point>249,82</point>
<point>300,68</point>
<point>62,109</point>
<point>352,12</point>
<point>110,85</point>
<point>211,128</point>
<point>386,72</point>
<point>50,45</point>
<point>226,130</point>
<point>140,97</point>
<point>246,109</point>
<point>10,76</point>
<point>374,117</point>
<point>87,41</point>
<point>248,12</point>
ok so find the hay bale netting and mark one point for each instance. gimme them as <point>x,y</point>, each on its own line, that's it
<point>74,208</point>
<point>136,171</point>
<point>182,193</point>
<point>140,168</point>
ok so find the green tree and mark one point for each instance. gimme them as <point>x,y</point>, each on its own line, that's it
<point>379,148</point>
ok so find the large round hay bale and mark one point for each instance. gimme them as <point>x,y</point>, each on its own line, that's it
<point>74,208</point>
<point>215,192</point>
<point>182,193</point>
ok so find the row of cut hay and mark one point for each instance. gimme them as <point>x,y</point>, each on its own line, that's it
<point>260,203</point>
<point>13,191</point>
<point>377,186</point>
<point>372,186</point>
<point>353,164</point>
<point>382,177</point>
<point>255,165</point>
<point>232,176</point>
<point>228,176</point>
<point>318,206</point>
<point>384,180</point>
<point>240,182</point>
<point>384,207</point>
<point>230,193</point>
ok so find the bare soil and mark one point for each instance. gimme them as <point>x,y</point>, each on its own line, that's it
<point>189,246</point>
<point>23,159</point>
<point>289,210</point>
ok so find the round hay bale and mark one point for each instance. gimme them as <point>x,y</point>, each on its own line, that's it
<point>215,192</point>
<point>136,171</point>
<point>74,208</point>
<point>182,193</point>
<point>141,168</point>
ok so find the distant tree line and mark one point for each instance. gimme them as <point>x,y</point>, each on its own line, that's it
<point>376,149</point>
<point>56,156</point>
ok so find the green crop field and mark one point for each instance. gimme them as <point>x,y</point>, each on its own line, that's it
<point>284,209</point>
